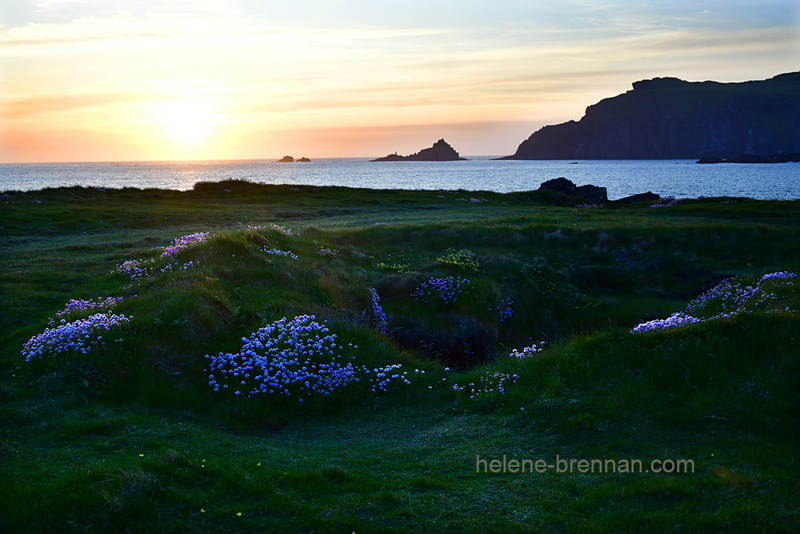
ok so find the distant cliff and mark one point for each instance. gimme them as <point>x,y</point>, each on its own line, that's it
<point>667,118</point>
<point>440,151</point>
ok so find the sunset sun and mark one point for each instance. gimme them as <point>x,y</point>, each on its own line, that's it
<point>188,121</point>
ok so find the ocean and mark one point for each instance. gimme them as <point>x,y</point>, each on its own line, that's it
<point>678,178</point>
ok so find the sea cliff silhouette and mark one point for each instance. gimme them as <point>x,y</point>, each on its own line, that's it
<point>666,118</point>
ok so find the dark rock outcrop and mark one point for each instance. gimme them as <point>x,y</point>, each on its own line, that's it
<point>391,157</point>
<point>666,118</point>
<point>561,184</point>
<point>710,159</point>
<point>648,197</point>
<point>591,193</point>
<point>286,159</point>
<point>440,151</point>
<point>304,160</point>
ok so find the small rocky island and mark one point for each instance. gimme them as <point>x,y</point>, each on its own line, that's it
<point>286,159</point>
<point>440,151</point>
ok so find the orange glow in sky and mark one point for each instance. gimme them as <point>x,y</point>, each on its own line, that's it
<point>107,80</point>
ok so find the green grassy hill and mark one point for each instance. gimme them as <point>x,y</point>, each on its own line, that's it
<point>185,386</point>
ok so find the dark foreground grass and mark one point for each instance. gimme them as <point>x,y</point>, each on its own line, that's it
<point>130,437</point>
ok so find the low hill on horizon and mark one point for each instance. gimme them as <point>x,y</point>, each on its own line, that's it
<point>666,118</point>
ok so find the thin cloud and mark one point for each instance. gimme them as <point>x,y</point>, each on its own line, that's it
<point>93,30</point>
<point>27,107</point>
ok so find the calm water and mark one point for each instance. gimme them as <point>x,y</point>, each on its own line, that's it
<point>681,178</point>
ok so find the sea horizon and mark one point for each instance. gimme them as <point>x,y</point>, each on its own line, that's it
<point>675,178</point>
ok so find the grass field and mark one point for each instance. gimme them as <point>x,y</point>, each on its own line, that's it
<point>199,409</point>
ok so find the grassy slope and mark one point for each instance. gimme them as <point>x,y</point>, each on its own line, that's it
<point>133,438</point>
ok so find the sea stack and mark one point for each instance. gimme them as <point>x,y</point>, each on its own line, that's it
<point>440,151</point>
<point>286,159</point>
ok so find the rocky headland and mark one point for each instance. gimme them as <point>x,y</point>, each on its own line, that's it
<point>668,118</point>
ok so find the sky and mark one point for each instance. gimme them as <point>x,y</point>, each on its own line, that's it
<point>106,80</point>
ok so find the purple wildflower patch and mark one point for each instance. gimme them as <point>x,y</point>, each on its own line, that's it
<point>79,336</point>
<point>136,269</point>
<point>76,306</point>
<point>278,252</point>
<point>529,351</point>
<point>676,319</point>
<point>448,289</point>
<point>297,358</point>
<point>378,315</point>
<point>727,299</point>
<point>183,242</point>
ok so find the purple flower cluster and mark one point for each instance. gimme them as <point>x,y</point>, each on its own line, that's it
<point>733,296</point>
<point>381,377</point>
<point>79,336</point>
<point>780,275</point>
<point>488,384</point>
<point>528,351</point>
<point>74,306</point>
<point>726,299</point>
<point>742,295</point>
<point>297,358</point>
<point>136,269</point>
<point>277,252</point>
<point>378,315</point>
<point>169,267</point>
<point>676,319</point>
<point>506,309</point>
<point>281,229</point>
<point>723,293</point>
<point>182,242</point>
<point>273,226</point>
<point>448,288</point>
<point>326,251</point>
